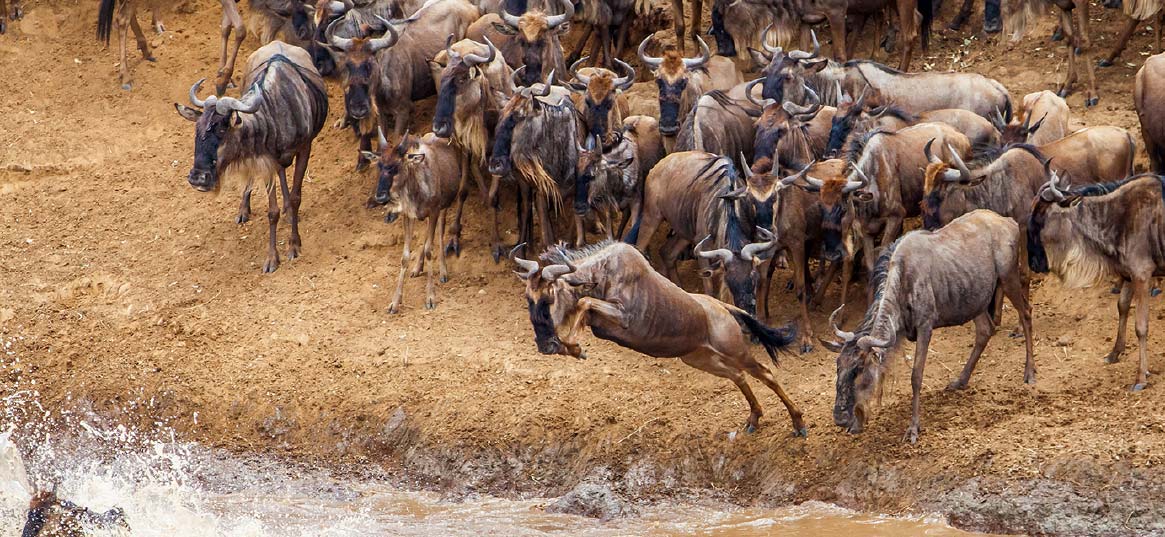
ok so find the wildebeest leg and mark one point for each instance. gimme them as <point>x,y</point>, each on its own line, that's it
<point>226,66</point>
<point>847,274</point>
<point>1018,290</point>
<point>765,286</point>
<point>1121,41</point>
<point>1141,294</point>
<point>1122,308</point>
<point>712,362</point>
<point>442,262</point>
<point>589,307</point>
<point>582,43</point>
<point>125,11</point>
<point>525,225</point>
<point>245,205</point>
<point>984,329</point>
<point>455,241</point>
<point>435,223</point>
<point>143,44</point>
<point>625,28</point>
<point>837,27</point>
<point>544,220</point>
<point>426,251</point>
<point>763,374</point>
<point>365,145</point>
<point>272,223</point>
<point>697,13</point>
<point>920,349</point>
<point>394,306</point>
<point>891,231</point>
<point>609,223</point>
<point>824,281</point>
<point>3,17</point>
<point>643,230</point>
<point>964,14</point>
<point>294,198</point>
<point>1075,41</point>
<point>580,233</point>
<point>669,255</point>
<point>157,21</point>
<point>677,8</point>
<point>907,31</point>
<point>800,265</point>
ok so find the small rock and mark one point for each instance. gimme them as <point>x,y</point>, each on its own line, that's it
<point>592,500</point>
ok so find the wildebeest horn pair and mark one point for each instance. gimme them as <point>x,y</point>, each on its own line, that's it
<point>794,109</point>
<point>527,267</point>
<point>552,21</point>
<point>803,174</point>
<point>653,62</point>
<point>374,45</point>
<point>801,55</point>
<point>623,83</point>
<point>249,104</point>
<point>472,59</point>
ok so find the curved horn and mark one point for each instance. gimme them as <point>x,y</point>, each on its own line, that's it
<point>194,94</point>
<point>929,155</point>
<point>554,21</point>
<point>845,336</point>
<point>336,7</point>
<point>996,119</point>
<point>861,102</point>
<point>861,175</point>
<point>764,41</point>
<point>381,140</point>
<point>476,59</point>
<point>723,254</point>
<point>585,80</point>
<point>552,272</point>
<point>744,167</point>
<point>812,109</point>
<point>448,51</point>
<point>384,41</point>
<point>517,76</point>
<point>529,268</point>
<point>1036,127</point>
<point>802,56</point>
<point>249,104</point>
<point>963,171</point>
<point>651,62</point>
<point>750,251</point>
<point>705,55</point>
<point>748,92</point>
<point>341,43</point>
<point>546,85</point>
<point>624,83</point>
<point>803,173</point>
<point>870,342</point>
<point>851,186</point>
<point>510,20</point>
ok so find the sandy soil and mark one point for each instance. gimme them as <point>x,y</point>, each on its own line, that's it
<point>130,294</point>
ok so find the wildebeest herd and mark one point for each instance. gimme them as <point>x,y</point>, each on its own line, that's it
<point>814,164</point>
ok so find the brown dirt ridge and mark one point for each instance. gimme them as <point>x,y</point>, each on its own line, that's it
<point>123,287</point>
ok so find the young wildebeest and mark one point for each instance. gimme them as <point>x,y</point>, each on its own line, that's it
<point>472,86</point>
<point>611,288</point>
<point>928,280</point>
<point>50,516</point>
<point>1149,97</point>
<point>261,133</point>
<point>700,196</point>
<point>616,175</point>
<point>423,177</point>
<point>681,81</point>
<point>1051,116</point>
<point>1092,234</point>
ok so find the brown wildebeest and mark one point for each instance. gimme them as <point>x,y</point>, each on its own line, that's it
<point>1149,98</point>
<point>344,18</point>
<point>681,81</point>
<point>611,288</point>
<point>1019,16</point>
<point>1096,233</point>
<point>1093,154</point>
<point>535,41</point>
<point>700,196</point>
<point>16,14</point>
<point>721,122</point>
<point>598,96</point>
<point>609,21</point>
<point>422,177</point>
<point>928,280</point>
<point>1050,112</point>
<point>259,135</point>
<point>473,84</point>
<point>50,516</point>
<point>792,133</point>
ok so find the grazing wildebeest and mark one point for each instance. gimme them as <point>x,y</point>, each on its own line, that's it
<point>1096,233</point>
<point>422,177</point>
<point>16,14</point>
<point>1019,16</point>
<point>700,196</point>
<point>681,81</point>
<point>472,87</point>
<point>615,175</point>
<point>50,516</point>
<point>1050,113</point>
<point>259,135</point>
<point>923,281</point>
<point>1149,98</point>
<point>611,288</point>
<point>599,99</point>
<point>536,143</point>
<point>535,42</point>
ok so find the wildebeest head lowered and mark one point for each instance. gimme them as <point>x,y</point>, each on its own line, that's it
<point>780,82</point>
<point>537,34</point>
<point>599,92</point>
<point>861,365</point>
<point>360,68</point>
<point>461,79</point>
<point>673,76</point>
<point>213,120</point>
<point>551,297</point>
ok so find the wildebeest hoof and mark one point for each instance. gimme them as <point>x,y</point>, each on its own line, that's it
<point>430,304</point>
<point>806,348</point>
<point>151,58</point>
<point>444,278</point>
<point>956,385</point>
<point>1064,92</point>
<point>361,164</point>
<point>1058,35</point>
<point>911,435</point>
<point>242,218</point>
<point>391,217</point>
<point>1091,101</point>
<point>292,254</point>
<point>1015,333</point>
<point>1138,387</point>
<point>749,428</point>
<point>803,432</point>
<point>416,272</point>
<point>1112,358</point>
<point>271,265</point>
<point>1154,291</point>
<point>1116,290</point>
<point>159,27</point>
<point>1104,63</point>
<point>3,27</point>
<point>582,355</point>
<point>454,247</point>
<point>394,308</point>
<point>128,86</point>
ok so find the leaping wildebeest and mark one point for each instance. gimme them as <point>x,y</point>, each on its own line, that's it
<point>928,280</point>
<point>611,288</point>
<point>51,516</point>
<point>1092,234</point>
<point>260,134</point>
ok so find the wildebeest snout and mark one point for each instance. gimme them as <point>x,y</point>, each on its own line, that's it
<point>202,180</point>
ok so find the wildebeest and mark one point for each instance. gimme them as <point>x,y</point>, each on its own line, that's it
<point>1149,98</point>
<point>423,178</point>
<point>472,87</point>
<point>535,42</point>
<point>721,122</point>
<point>611,288</point>
<point>16,14</point>
<point>345,19</point>
<point>853,120</point>
<point>395,67</point>
<point>700,196</point>
<point>1092,234</point>
<point>259,135</point>
<point>1050,113</point>
<point>615,175</point>
<point>609,23</point>
<point>792,134</point>
<point>599,98</point>
<point>50,516</point>
<point>923,281</point>
<point>1018,18</point>
<point>681,81</point>
<point>536,143</point>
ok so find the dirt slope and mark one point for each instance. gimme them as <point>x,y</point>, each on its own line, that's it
<point>128,293</point>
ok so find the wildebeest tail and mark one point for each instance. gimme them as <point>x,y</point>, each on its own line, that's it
<point>774,340</point>
<point>926,8</point>
<point>105,19</point>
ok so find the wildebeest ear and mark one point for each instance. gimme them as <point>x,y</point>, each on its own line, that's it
<point>190,114</point>
<point>504,28</point>
<point>816,65</point>
<point>864,196</point>
<point>621,164</point>
<point>237,119</point>
<point>416,158</point>
<point>370,156</point>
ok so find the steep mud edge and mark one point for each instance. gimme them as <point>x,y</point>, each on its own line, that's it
<point>128,294</point>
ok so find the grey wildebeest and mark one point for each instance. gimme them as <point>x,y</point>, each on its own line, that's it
<point>535,43</point>
<point>681,81</point>
<point>259,135</point>
<point>923,281</point>
<point>1149,98</point>
<point>611,288</point>
<point>1092,234</point>
<point>598,96</point>
<point>473,84</point>
<point>423,178</point>
<point>50,516</point>
<point>536,143</point>
<point>615,175</point>
<point>346,19</point>
<point>701,197</point>
<point>1051,115</point>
